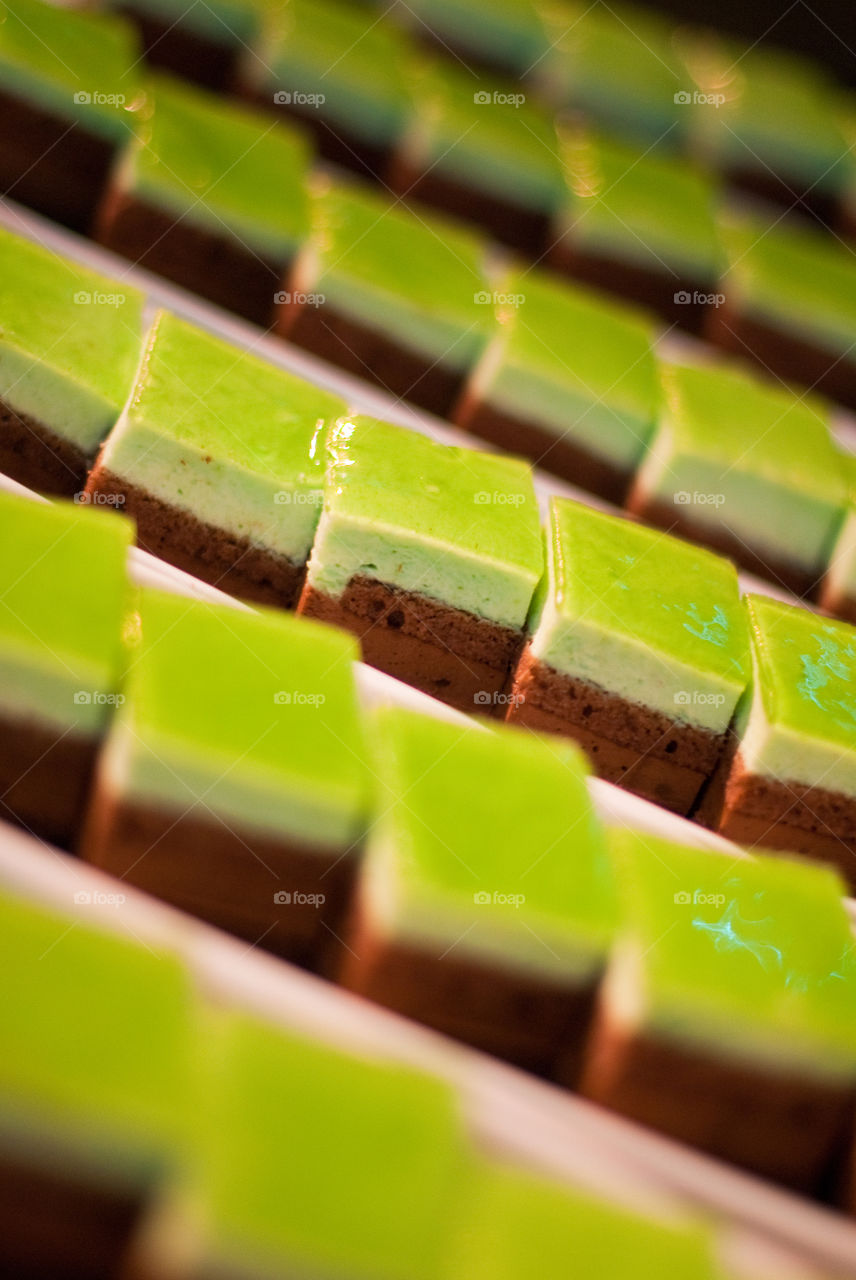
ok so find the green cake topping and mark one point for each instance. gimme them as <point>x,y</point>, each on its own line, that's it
<point>730,446</point>
<point>518,1227</point>
<point>70,341</point>
<point>574,364</point>
<point>488,842</point>
<point>226,22</point>
<point>718,951</point>
<point>453,524</point>
<point>63,597</point>
<point>219,432</point>
<point>283,753</point>
<point>223,166</point>
<point>480,134</point>
<point>365,1156</point>
<point>337,59</point>
<point>642,615</point>
<point>96,1033</point>
<point>80,66</point>
<point>510,33</point>
<point>646,208</point>
<point>419,280</point>
<point>793,279</point>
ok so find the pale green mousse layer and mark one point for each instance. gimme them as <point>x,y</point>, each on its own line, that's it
<point>573,364</point>
<point>797,280</point>
<point>418,280</point>
<point>640,207</point>
<point>736,454</point>
<point>717,952</point>
<point>798,721</point>
<point>453,524</point>
<point>226,22</point>
<point>70,341</point>
<point>313,1162</point>
<point>338,59</point>
<point>223,167</point>
<point>64,596</point>
<point>516,1226</point>
<point>96,1030</point>
<point>765,111</point>
<point>642,615</point>
<point>482,134</point>
<point>510,33</point>
<point>252,717</point>
<point>487,846</point>
<point>617,64</point>
<point>83,67</point>
<point>216,431</point>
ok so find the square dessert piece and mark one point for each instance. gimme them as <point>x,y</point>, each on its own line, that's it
<point>212,196</point>
<point>200,42</point>
<point>505,34</point>
<point>485,906</point>
<point>747,468</point>
<point>766,118</point>
<point>232,783</point>
<point>308,1162</point>
<point>216,460</point>
<point>569,380</point>
<point>429,554</point>
<point>640,224</point>
<point>70,343</point>
<point>511,1218</point>
<point>398,298</point>
<point>69,92</point>
<point>733,980</point>
<point>790,305</point>
<point>339,68</point>
<point>837,592</point>
<point>638,649</point>
<point>476,149</point>
<point>788,778</point>
<point>94,1092</point>
<point>63,601</point>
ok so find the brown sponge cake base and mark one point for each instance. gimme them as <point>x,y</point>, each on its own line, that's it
<point>201,863</point>
<point>209,263</point>
<point>834,602</point>
<point>372,356</point>
<point>516,1016</point>
<point>785,1126</point>
<point>45,775</point>
<point>559,454</point>
<point>787,817</point>
<point>231,563</point>
<point>453,655</point>
<point>629,744</point>
<point>168,44</point>
<point>35,456</point>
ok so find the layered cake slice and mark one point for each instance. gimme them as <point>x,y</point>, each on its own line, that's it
<point>735,982</point>
<point>639,224</point>
<point>212,196</point>
<point>201,42</point>
<point>429,554</point>
<point>308,1162</point>
<point>485,908</point>
<point>245,810</point>
<point>394,297</point>
<point>749,469</point>
<point>790,304</point>
<point>69,92</point>
<point>837,593</point>
<point>569,380</point>
<point>70,343</point>
<point>215,457</point>
<point>478,150</point>
<point>788,779</point>
<point>506,34</point>
<point>638,649</point>
<point>63,601</point>
<point>94,1089</point>
<point>340,69</point>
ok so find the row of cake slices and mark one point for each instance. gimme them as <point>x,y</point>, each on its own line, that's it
<point>147,1130</point>
<point>457,872</point>
<point>224,199</point>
